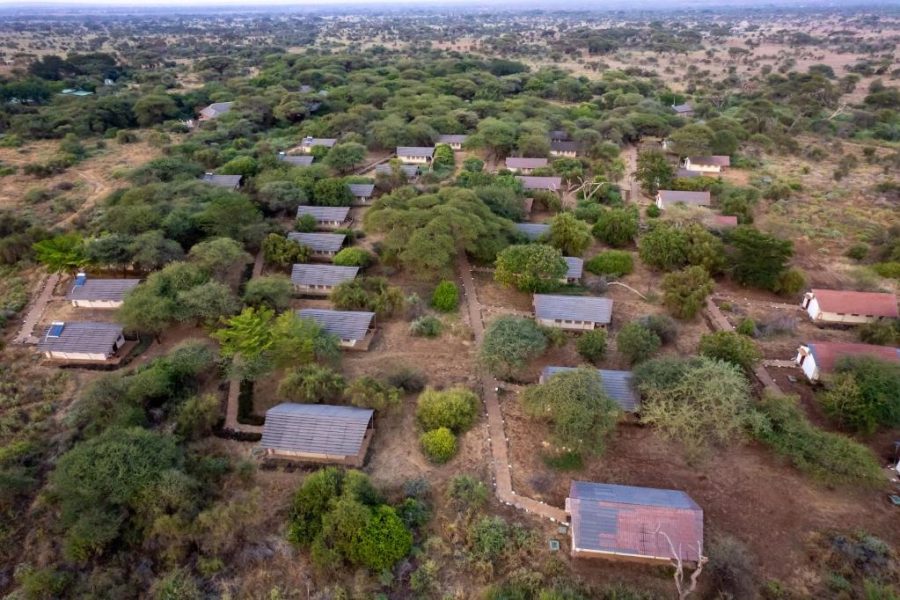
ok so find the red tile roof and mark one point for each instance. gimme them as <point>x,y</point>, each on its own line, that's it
<point>827,354</point>
<point>857,303</point>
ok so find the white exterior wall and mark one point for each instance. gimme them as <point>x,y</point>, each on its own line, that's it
<point>573,325</point>
<point>566,153</point>
<point>348,343</point>
<point>96,303</point>
<point>319,290</point>
<point>659,202</point>
<point>807,363</point>
<point>419,160</point>
<point>702,168</point>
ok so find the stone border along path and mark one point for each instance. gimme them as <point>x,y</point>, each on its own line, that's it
<point>36,309</point>
<point>500,465</point>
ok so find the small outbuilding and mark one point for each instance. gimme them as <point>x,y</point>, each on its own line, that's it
<point>683,110</point>
<point>837,306</point>
<point>550,184</point>
<point>578,313</point>
<point>525,165</point>
<point>533,231</point>
<point>820,358</point>
<point>322,245</point>
<point>229,182</point>
<point>326,216</point>
<point>454,141</point>
<point>618,385</point>
<point>83,341</point>
<point>707,164</point>
<point>354,329</point>
<point>320,280</point>
<point>362,192</point>
<point>99,293</point>
<point>575,269</point>
<point>419,155</point>
<point>624,522</point>
<point>318,433</point>
<point>666,198</point>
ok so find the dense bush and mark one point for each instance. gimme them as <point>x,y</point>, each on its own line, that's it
<point>636,342</point>
<point>368,293</point>
<point>617,226</point>
<point>685,291</point>
<point>368,392</point>
<point>273,291</point>
<point>664,326</point>
<point>612,262</point>
<point>509,343</point>
<point>591,345</point>
<point>311,384</point>
<point>780,423</point>
<point>531,267</point>
<point>353,257</point>
<point>455,409</point>
<point>426,326</point>
<point>445,297</point>
<point>569,234</point>
<point>731,347</point>
<point>439,445</point>
<point>885,332</point>
<point>406,378</point>
<point>862,394</point>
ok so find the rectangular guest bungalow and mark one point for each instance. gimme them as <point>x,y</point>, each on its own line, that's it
<point>295,161</point>
<point>354,329</point>
<point>320,280</point>
<point>81,341</point>
<point>578,313</point>
<point>229,182</point>
<point>328,217</point>
<point>99,293</point>
<point>576,269</point>
<point>411,171</point>
<point>533,231</point>
<point>362,192</point>
<point>454,141</point>
<point>564,149</point>
<point>308,143</point>
<point>666,198</point>
<point>550,184</point>
<point>318,433</point>
<point>216,109</point>
<point>618,385</point>
<point>707,164</point>
<point>683,110</point>
<point>624,522</point>
<point>836,306</point>
<point>559,135</point>
<point>688,174</point>
<point>419,155</point>
<point>322,245</point>
<point>820,358</point>
<point>525,166</point>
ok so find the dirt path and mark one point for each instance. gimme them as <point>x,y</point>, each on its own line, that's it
<point>36,310</point>
<point>629,183</point>
<point>500,462</point>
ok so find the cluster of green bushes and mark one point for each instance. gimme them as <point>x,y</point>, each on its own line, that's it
<point>443,415</point>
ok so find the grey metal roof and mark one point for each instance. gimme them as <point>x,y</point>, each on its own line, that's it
<point>718,160</point>
<point>629,521</point>
<point>564,146</point>
<point>682,108</point>
<point>319,242</point>
<point>576,267</point>
<point>312,274</point>
<point>559,135</point>
<point>533,230</point>
<point>102,289</point>
<point>689,173</point>
<point>617,385</point>
<point>84,337</point>
<point>216,108</point>
<point>316,429</point>
<point>225,181</point>
<point>324,214</point>
<point>690,198</point>
<point>415,150</point>
<point>297,161</point>
<point>540,183</point>
<point>408,170</point>
<point>573,308</point>
<point>311,141</point>
<point>346,324</point>
<point>513,162</point>
<point>361,190</point>
<point>452,139</point>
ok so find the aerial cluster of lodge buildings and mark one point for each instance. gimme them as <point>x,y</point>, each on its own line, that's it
<point>605,520</point>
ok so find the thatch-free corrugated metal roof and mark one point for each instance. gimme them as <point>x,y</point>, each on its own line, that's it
<point>216,108</point>
<point>81,337</point>
<point>318,242</point>
<point>316,429</point>
<point>324,214</point>
<point>297,161</point>
<point>415,151</point>
<point>225,181</point>
<point>102,289</point>
<point>617,384</point>
<point>667,197</point>
<point>564,146</point>
<point>630,521</point>
<point>540,183</point>
<point>386,169</point>
<point>532,230</point>
<point>573,308</point>
<point>452,139</point>
<point>361,190</point>
<point>716,160</point>
<point>313,274</point>
<point>525,163</point>
<point>310,142</point>
<point>345,324</point>
<point>575,265</point>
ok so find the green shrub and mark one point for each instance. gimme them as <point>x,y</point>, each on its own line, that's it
<point>779,422</point>
<point>368,293</point>
<point>445,297</point>
<point>509,343</point>
<point>591,345</point>
<point>653,211</point>
<point>197,416</point>
<point>368,392</point>
<point>885,332</point>
<point>685,291</point>
<point>858,251</point>
<point>306,223</point>
<point>489,537</point>
<point>731,347</point>
<point>467,493</point>
<point>862,394</point>
<point>564,461</point>
<point>636,342</point>
<point>427,326</point>
<point>311,384</point>
<point>353,257</point>
<point>790,283</point>
<point>407,379</point>
<point>664,326</point>
<point>531,267</point>
<point>617,227</point>
<point>612,262</point>
<point>747,327</point>
<point>439,445</point>
<point>890,270</point>
<point>455,409</point>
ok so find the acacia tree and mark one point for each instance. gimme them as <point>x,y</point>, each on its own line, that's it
<point>509,343</point>
<point>617,226</point>
<point>62,253</point>
<point>653,171</point>
<point>685,291</point>
<point>530,267</point>
<point>344,157</point>
<point>570,234</point>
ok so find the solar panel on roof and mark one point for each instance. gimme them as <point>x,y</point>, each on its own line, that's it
<point>56,330</point>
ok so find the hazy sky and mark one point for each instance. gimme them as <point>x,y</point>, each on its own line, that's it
<point>593,5</point>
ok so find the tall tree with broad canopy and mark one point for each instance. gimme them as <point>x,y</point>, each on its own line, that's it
<point>654,171</point>
<point>509,343</point>
<point>530,267</point>
<point>758,259</point>
<point>570,234</point>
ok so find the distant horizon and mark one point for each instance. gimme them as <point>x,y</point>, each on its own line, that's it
<point>548,5</point>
